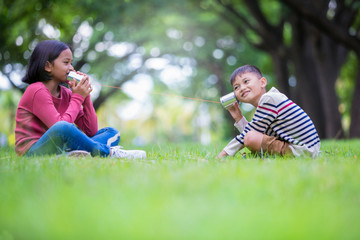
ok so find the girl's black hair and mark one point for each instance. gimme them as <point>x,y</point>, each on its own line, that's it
<point>245,69</point>
<point>45,51</point>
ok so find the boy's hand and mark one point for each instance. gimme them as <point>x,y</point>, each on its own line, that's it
<point>235,112</point>
<point>222,154</point>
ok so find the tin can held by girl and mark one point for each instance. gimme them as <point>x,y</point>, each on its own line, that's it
<point>228,100</point>
<point>73,75</point>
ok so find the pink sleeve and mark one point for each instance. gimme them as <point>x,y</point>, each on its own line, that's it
<point>43,108</point>
<point>87,119</point>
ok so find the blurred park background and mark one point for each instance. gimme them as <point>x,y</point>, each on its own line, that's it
<point>144,48</point>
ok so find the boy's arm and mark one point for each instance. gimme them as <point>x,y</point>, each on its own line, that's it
<point>222,154</point>
<point>235,112</point>
<point>232,148</point>
<point>261,120</point>
<point>240,125</point>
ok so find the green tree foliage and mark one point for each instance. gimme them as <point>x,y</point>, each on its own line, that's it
<point>195,44</point>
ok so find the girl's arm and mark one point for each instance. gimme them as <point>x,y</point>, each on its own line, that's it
<point>43,108</point>
<point>87,119</point>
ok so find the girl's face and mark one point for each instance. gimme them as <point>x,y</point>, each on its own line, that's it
<point>61,66</point>
<point>249,88</point>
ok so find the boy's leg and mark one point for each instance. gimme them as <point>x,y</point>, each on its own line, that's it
<point>252,141</point>
<point>274,146</point>
<point>256,141</point>
<point>63,135</point>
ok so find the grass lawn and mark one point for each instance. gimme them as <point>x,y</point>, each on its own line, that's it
<point>182,192</point>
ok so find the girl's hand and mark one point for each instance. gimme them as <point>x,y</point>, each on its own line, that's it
<point>235,111</point>
<point>83,87</point>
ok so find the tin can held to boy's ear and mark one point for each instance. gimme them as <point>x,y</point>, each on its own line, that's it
<point>228,100</point>
<point>73,75</point>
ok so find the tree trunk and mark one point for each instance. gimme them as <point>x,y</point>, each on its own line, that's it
<point>329,57</point>
<point>307,90</point>
<point>317,61</point>
<point>355,107</point>
<point>338,29</point>
<point>281,73</point>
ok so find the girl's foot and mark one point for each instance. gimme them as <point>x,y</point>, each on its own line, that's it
<point>118,152</point>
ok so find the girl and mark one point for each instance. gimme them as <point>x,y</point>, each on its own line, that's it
<point>51,118</point>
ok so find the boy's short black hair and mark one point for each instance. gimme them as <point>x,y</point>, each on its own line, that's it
<point>245,69</point>
<point>45,51</point>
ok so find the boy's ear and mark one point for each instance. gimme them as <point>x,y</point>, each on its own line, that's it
<point>263,82</point>
<point>48,66</point>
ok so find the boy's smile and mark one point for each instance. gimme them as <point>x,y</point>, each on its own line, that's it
<point>249,88</point>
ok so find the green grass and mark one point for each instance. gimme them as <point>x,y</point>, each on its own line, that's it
<point>182,192</point>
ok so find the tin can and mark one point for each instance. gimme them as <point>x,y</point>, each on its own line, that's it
<point>73,75</point>
<point>228,100</point>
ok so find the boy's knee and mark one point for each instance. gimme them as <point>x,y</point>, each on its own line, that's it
<point>249,138</point>
<point>252,140</point>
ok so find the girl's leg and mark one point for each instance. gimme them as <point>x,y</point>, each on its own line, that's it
<point>109,136</point>
<point>63,135</point>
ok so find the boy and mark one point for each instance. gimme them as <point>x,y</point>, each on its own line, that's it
<point>279,126</point>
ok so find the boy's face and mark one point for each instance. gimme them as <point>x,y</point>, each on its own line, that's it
<point>249,88</point>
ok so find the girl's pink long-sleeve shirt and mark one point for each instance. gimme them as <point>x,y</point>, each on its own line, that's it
<point>38,110</point>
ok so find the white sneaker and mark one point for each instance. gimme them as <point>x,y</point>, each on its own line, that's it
<point>118,152</point>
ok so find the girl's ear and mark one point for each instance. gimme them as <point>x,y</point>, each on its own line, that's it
<point>48,66</point>
<point>263,82</point>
